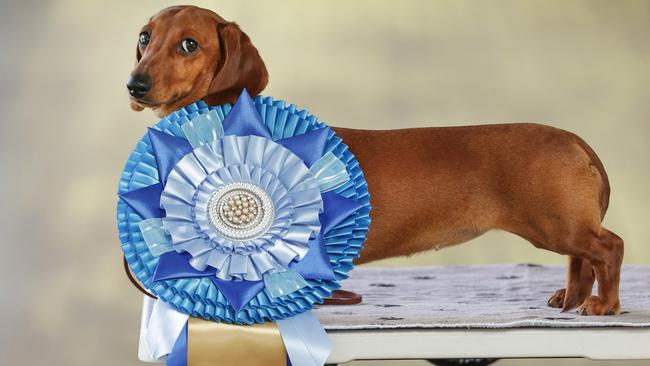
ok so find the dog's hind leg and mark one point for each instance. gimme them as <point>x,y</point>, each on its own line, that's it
<point>606,254</point>
<point>580,282</point>
<point>604,250</point>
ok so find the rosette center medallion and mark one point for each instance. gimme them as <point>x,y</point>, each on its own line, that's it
<point>240,211</point>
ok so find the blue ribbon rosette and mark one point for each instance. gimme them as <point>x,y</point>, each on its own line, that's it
<point>243,214</point>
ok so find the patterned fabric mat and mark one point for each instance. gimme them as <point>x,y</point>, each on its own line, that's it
<point>491,296</point>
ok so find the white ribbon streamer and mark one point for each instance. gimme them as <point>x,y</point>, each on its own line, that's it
<point>160,327</point>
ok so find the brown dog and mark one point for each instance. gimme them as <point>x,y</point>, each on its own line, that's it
<point>430,187</point>
<point>187,53</point>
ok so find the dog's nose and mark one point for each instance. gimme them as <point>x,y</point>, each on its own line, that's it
<point>138,85</point>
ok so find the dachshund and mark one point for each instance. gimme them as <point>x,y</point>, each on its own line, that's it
<point>430,187</point>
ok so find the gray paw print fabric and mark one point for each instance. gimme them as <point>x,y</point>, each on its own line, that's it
<point>487,296</point>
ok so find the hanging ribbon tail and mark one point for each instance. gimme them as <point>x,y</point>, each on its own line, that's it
<point>145,201</point>
<point>178,355</point>
<point>161,326</point>
<point>336,208</point>
<point>244,120</point>
<point>309,146</point>
<point>305,340</point>
<point>173,265</point>
<point>168,151</point>
<point>316,264</point>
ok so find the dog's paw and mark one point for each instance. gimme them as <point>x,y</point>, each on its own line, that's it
<point>557,300</point>
<point>595,305</point>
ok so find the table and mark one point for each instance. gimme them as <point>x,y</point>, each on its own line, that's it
<point>489,311</point>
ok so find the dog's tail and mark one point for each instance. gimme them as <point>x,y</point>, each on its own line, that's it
<point>598,165</point>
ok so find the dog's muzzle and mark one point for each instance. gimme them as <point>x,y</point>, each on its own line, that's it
<point>138,85</point>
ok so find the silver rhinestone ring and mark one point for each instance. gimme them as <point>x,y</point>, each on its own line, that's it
<point>240,211</point>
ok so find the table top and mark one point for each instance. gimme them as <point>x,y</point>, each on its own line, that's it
<point>491,311</point>
<point>477,297</point>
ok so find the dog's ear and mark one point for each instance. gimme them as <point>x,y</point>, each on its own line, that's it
<point>240,67</point>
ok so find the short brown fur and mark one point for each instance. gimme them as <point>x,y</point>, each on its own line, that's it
<point>430,187</point>
<point>226,62</point>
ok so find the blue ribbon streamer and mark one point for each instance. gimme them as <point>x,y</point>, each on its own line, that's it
<point>305,339</point>
<point>178,355</point>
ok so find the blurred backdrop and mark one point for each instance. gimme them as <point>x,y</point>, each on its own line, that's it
<point>66,128</point>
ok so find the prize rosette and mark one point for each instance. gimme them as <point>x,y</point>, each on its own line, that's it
<point>241,215</point>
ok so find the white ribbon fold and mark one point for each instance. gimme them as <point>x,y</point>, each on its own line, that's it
<point>304,338</point>
<point>159,328</point>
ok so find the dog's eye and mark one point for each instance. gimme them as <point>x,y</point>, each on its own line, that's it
<point>144,38</point>
<point>189,46</point>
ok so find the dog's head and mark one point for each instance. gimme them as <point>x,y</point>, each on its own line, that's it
<point>187,53</point>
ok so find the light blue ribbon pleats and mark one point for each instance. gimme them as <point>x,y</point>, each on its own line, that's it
<point>281,177</point>
<point>305,339</point>
<point>283,283</point>
<point>154,235</point>
<point>203,129</point>
<point>329,172</point>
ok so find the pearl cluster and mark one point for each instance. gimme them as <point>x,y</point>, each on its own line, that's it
<point>240,211</point>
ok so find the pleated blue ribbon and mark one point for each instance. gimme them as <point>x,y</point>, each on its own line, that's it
<point>320,202</point>
<point>328,254</point>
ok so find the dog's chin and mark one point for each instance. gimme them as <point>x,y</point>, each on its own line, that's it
<point>136,106</point>
<point>161,109</point>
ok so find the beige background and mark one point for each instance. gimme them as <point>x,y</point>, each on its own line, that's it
<point>66,128</point>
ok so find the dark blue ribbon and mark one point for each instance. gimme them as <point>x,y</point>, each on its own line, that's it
<point>310,146</point>
<point>178,355</point>
<point>168,150</point>
<point>316,264</point>
<point>145,201</point>
<point>244,120</point>
<point>238,293</point>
